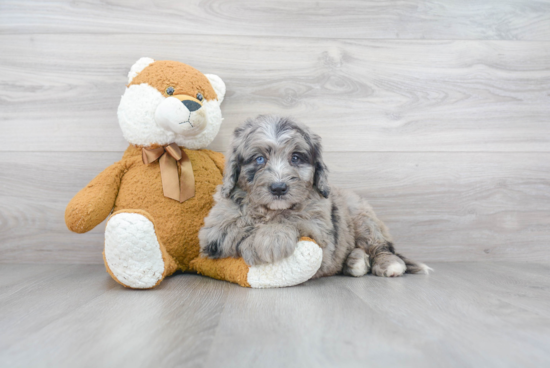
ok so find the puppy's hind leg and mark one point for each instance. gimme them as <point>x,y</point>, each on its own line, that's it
<point>373,237</point>
<point>357,264</point>
<point>386,263</point>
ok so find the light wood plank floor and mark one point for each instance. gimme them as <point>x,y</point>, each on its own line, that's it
<point>464,315</point>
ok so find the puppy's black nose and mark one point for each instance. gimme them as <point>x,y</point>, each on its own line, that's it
<point>191,105</point>
<point>279,188</point>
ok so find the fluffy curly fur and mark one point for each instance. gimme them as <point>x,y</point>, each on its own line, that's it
<point>275,190</point>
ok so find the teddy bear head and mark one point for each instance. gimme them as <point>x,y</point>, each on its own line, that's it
<point>170,102</point>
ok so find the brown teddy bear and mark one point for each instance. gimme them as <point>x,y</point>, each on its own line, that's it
<point>162,189</point>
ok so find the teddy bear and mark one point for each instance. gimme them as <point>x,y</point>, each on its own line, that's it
<point>158,194</point>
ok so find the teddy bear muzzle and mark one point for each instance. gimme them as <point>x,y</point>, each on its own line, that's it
<point>181,114</point>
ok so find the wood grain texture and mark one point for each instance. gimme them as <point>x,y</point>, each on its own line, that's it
<point>439,206</point>
<point>88,308</point>
<point>61,92</point>
<point>465,315</point>
<point>427,19</point>
<point>36,188</point>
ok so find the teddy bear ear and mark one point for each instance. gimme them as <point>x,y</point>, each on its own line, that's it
<point>218,85</point>
<point>139,65</point>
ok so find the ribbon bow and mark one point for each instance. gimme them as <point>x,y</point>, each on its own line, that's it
<point>178,187</point>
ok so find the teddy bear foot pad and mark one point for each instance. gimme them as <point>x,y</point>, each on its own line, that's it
<point>132,251</point>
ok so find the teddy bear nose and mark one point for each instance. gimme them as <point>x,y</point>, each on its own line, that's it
<point>191,105</point>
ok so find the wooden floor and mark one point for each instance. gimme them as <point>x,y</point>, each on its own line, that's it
<point>464,315</point>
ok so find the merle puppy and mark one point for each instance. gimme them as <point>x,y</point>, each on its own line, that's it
<point>275,190</point>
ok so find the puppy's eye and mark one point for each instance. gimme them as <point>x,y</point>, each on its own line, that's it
<point>199,96</point>
<point>295,159</point>
<point>260,160</point>
<point>170,91</point>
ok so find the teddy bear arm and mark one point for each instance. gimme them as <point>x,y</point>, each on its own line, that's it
<point>94,203</point>
<point>234,270</point>
<point>218,159</point>
<point>293,270</point>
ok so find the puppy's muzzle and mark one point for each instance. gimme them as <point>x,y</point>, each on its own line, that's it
<point>278,188</point>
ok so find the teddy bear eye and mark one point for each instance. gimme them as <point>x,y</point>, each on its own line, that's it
<point>199,96</point>
<point>170,91</point>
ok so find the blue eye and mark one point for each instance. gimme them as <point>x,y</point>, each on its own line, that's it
<point>260,160</point>
<point>295,159</point>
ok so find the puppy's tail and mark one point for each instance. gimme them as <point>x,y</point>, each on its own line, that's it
<point>415,267</point>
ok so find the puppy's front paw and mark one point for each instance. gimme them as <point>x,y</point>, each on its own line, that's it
<point>269,244</point>
<point>213,249</point>
<point>388,265</point>
<point>212,242</point>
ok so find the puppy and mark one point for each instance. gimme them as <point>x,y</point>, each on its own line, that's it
<point>275,190</point>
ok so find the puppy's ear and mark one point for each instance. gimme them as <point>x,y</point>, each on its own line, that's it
<point>320,177</point>
<point>231,172</point>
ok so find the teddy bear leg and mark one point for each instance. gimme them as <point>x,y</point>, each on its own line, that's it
<point>133,255</point>
<point>293,270</point>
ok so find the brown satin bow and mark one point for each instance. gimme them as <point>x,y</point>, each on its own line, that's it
<point>179,188</point>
